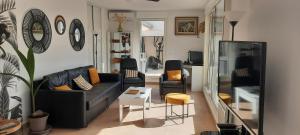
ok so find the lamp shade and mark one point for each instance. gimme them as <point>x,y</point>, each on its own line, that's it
<point>234,15</point>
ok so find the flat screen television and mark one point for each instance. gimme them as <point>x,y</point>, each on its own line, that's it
<point>195,58</point>
<point>241,81</point>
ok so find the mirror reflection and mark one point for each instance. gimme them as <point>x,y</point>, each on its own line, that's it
<point>77,34</point>
<point>60,27</point>
<point>240,75</point>
<point>37,31</point>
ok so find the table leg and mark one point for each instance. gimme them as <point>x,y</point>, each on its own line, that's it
<point>120,113</point>
<point>237,100</point>
<point>182,113</point>
<point>171,110</point>
<point>144,107</point>
<point>150,98</point>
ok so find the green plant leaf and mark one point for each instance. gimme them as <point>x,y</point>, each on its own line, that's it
<point>23,60</point>
<point>30,63</point>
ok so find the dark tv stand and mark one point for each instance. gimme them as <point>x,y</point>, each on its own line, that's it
<point>227,129</point>
<point>210,133</point>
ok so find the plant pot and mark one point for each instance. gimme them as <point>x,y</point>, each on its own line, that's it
<point>38,123</point>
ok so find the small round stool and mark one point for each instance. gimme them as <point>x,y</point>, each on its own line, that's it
<point>225,97</point>
<point>177,99</point>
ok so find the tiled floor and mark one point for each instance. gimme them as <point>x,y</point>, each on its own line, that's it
<point>108,123</point>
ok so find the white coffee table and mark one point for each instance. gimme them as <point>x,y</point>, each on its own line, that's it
<point>137,100</point>
<point>250,94</point>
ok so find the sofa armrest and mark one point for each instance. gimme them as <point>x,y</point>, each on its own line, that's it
<point>67,109</point>
<point>184,81</point>
<point>141,75</point>
<point>109,77</point>
<point>163,77</point>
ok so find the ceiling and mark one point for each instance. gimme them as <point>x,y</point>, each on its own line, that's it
<point>144,5</point>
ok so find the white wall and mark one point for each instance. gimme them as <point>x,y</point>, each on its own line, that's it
<point>276,22</point>
<point>60,55</point>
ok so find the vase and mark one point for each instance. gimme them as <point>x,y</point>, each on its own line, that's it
<point>120,29</point>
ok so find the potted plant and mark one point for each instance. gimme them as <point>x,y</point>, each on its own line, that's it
<point>38,119</point>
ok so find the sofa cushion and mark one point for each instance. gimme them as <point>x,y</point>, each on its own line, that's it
<point>133,80</point>
<point>62,88</point>
<point>57,79</point>
<point>94,77</point>
<point>174,75</point>
<point>97,93</point>
<point>82,83</point>
<point>172,84</point>
<point>131,73</point>
<point>73,73</point>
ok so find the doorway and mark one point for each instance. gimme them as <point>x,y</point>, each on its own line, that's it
<point>152,46</point>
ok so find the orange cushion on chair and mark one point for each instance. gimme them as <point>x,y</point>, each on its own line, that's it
<point>62,88</point>
<point>94,77</point>
<point>174,75</point>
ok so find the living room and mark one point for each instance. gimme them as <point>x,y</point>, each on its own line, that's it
<point>66,37</point>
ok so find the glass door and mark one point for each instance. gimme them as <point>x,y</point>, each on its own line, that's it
<point>216,35</point>
<point>152,46</point>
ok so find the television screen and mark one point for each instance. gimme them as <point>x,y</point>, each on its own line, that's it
<point>196,58</point>
<point>241,80</point>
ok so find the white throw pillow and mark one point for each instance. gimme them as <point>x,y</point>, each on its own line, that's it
<point>131,73</point>
<point>82,83</point>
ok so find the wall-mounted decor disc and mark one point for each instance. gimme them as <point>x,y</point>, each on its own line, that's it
<point>36,30</point>
<point>77,35</point>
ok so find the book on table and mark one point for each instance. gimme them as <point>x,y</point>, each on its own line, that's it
<point>133,92</point>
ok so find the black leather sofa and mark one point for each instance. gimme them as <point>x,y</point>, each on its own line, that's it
<point>76,108</point>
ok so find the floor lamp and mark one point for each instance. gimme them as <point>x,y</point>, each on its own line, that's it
<point>233,17</point>
<point>95,42</point>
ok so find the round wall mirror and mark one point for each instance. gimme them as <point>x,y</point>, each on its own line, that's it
<point>36,30</point>
<point>77,35</point>
<point>60,25</point>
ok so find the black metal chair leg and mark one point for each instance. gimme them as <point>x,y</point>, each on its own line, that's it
<point>166,113</point>
<point>171,110</point>
<point>183,113</point>
<point>187,110</point>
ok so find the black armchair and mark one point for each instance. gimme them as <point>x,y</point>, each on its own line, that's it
<point>130,63</point>
<point>166,86</point>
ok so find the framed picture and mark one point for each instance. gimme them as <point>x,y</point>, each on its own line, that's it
<point>186,26</point>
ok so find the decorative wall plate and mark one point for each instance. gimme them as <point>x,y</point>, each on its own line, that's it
<point>77,35</point>
<point>36,30</point>
<point>60,25</point>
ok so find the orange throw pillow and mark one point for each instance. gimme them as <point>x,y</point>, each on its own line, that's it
<point>62,88</point>
<point>94,77</point>
<point>174,75</point>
